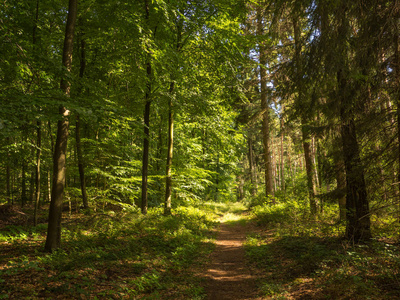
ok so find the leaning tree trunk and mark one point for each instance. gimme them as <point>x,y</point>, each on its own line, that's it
<point>53,240</point>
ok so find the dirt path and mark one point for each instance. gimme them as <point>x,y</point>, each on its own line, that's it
<point>228,277</point>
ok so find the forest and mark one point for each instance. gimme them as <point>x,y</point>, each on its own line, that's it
<point>147,145</point>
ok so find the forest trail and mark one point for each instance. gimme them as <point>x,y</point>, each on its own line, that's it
<point>228,277</point>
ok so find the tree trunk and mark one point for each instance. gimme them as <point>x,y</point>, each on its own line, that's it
<point>78,134</point>
<point>309,168</point>
<point>305,131</point>
<point>168,178</point>
<point>145,159</point>
<point>38,153</point>
<point>357,206</point>
<point>24,198</point>
<point>282,158</point>
<point>8,173</point>
<point>49,186</point>
<point>146,117</point>
<point>53,240</point>
<point>38,133</point>
<point>159,145</point>
<point>397,101</point>
<point>80,163</point>
<point>253,175</point>
<point>269,189</point>
<point>216,197</point>
<point>341,187</point>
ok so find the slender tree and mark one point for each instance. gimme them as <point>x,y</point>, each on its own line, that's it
<point>53,240</point>
<point>269,188</point>
<point>81,167</point>
<point>305,129</point>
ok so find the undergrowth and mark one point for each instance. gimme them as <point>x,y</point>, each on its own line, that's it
<point>306,257</point>
<point>109,255</point>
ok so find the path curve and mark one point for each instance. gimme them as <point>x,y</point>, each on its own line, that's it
<point>228,276</point>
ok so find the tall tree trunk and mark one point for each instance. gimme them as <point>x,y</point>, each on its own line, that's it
<point>53,240</point>
<point>8,173</point>
<point>160,145</point>
<point>357,206</point>
<point>80,163</point>
<point>38,131</point>
<point>253,174</point>
<point>49,171</point>
<point>145,159</point>
<point>397,100</point>
<point>282,157</point>
<point>168,178</point>
<point>146,117</point>
<point>305,131</point>
<point>341,187</point>
<point>81,167</point>
<point>216,197</point>
<point>49,186</point>
<point>24,197</point>
<point>309,168</point>
<point>38,153</point>
<point>269,189</point>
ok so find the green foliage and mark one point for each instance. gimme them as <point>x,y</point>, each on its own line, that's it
<point>135,255</point>
<point>300,252</point>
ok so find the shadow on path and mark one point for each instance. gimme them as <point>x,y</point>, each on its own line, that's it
<point>228,277</point>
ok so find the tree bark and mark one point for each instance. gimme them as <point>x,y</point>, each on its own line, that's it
<point>309,168</point>
<point>146,117</point>
<point>283,187</point>
<point>397,101</point>
<point>341,187</point>
<point>24,197</point>
<point>357,206</point>
<point>53,240</point>
<point>80,163</point>
<point>168,178</point>
<point>81,167</point>
<point>38,132</point>
<point>253,175</point>
<point>8,173</point>
<point>269,189</point>
<point>305,131</point>
<point>38,154</point>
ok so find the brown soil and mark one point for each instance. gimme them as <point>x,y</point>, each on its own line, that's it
<point>228,276</point>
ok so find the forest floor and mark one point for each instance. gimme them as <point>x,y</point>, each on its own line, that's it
<point>213,252</point>
<point>228,276</point>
